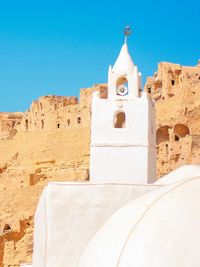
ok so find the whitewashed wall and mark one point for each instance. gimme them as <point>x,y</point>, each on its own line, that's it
<point>69,214</point>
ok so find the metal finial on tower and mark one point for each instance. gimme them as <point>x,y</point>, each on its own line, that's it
<point>127,32</point>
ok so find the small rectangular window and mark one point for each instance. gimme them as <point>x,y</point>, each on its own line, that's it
<point>79,120</point>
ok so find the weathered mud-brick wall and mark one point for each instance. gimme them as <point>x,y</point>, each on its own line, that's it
<point>55,112</point>
<point>176,90</point>
<point>9,124</point>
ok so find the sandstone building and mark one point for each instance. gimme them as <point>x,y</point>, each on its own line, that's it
<point>9,123</point>
<point>176,90</point>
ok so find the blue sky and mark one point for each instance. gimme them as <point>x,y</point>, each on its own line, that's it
<point>58,47</point>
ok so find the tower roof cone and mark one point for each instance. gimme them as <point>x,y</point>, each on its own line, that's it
<point>124,62</point>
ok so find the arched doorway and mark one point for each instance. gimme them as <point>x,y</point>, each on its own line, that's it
<point>180,131</point>
<point>162,134</point>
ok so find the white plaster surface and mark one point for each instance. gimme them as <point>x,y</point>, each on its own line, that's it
<point>138,117</point>
<point>124,62</point>
<point>182,173</point>
<point>69,214</point>
<point>123,154</point>
<point>161,228</point>
<point>117,164</point>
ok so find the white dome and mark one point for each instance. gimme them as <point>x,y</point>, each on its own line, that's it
<point>160,229</point>
<point>179,174</point>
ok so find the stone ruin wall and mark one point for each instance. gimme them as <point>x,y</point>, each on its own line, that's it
<point>56,112</point>
<point>52,112</point>
<point>176,91</point>
<point>51,140</point>
<point>9,123</point>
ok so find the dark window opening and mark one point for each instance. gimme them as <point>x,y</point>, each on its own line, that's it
<point>79,120</point>
<point>166,149</point>
<point>42,124</point>
<point>6,228</point>
<point>176,138</point>
<point>58,125</point>
<point>26,124</point>
<point>68,122</point>
<point>149,90</point>
<point>120,120</point>
<point>173,82</point>
<point>180,131</point>
<point>162,134</point>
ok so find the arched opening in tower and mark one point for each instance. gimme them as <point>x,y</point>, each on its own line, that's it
<point>122,86</point>
<point>120,119</point>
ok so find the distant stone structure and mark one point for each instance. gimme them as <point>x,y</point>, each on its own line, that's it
<point>176,90</point>
<point>51,112</point>
<point>9,123</point>
<point>55,112</point>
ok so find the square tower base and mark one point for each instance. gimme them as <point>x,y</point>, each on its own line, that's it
<point>131,164</point>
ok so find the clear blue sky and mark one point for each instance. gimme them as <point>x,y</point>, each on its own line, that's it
<point>58,47</point>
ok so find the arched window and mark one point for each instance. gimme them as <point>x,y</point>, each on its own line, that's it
<point>6,228</point>
<point>58,125</point>
<point>120,120</point>
<point>68,122</point>
<point>122,86</point>
<point>180,131</point>
<point>26,124</point>
<point>162,134</point>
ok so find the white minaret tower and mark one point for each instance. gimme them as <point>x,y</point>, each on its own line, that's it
<point>123,127</point>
